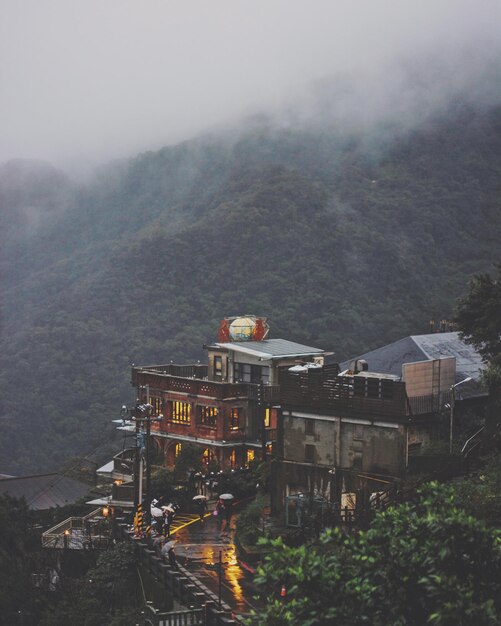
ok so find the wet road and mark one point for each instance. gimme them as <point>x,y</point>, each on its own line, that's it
<point>198,548</point>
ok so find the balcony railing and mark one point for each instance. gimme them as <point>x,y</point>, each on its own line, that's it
<point>165,380</point>
<point>123,462</point>
<point>123,492</point>
<point>78,533</point>
<point>318,390</point>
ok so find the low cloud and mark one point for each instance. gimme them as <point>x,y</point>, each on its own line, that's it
<point>86,82</point>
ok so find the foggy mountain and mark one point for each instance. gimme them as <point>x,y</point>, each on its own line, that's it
<point>345,237</point>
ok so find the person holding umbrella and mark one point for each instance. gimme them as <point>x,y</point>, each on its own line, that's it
<point>169,515</point>
<point>226,500</point>
<point>201,504</point>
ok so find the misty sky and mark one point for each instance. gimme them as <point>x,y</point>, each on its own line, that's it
<point>98,79</point>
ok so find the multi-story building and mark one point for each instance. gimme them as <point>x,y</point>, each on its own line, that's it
<point>338,436</point>
<point>228,408</point>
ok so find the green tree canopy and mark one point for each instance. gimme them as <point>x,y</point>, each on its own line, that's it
<point>479,320</point>
<point>422,563</point>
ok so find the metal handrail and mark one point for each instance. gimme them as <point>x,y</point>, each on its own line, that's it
<point>468,440</point>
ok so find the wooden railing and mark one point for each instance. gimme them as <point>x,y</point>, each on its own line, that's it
<point>315,389</point>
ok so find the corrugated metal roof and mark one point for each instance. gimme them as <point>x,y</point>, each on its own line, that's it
<point>44,491</point>
<point>271,348</point>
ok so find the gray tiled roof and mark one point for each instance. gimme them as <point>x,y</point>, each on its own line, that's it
<point>274,348</point>
<point>390,358</point>
<point>44,491</point>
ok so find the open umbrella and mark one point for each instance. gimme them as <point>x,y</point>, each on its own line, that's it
<point>226,496</point>
<point>199,497</point>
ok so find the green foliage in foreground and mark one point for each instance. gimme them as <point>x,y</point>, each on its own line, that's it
<point>480,494</point>
<point>425,563</point>
<point>104,597</point>
<point>15,540</point>
<point>249,523</point>
<point>479,320</point>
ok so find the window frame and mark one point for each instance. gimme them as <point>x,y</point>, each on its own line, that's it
<point>309,448</point>
<point>180,412</point>
<point>207,415</point>
<point>238,411</point>
<point>309,427</point>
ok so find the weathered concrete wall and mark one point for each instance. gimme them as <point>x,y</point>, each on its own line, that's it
<point>324,440</point>
<point>342,443</point>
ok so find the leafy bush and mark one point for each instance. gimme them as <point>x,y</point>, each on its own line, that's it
<point>422,563</point>
<point>249,523</point>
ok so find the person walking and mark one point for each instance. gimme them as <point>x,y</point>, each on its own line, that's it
<point>226,511</point>
<point>201,505</point>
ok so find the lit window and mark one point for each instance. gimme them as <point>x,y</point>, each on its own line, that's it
<point>233,458</point>
<point>250,456</point>
<point>208,456</point>
<point>235,419</point>
<point>156,403</point>
<point>207,415</point>
<point>180,412</point>
<point>267,413</point>
<point>177,449</point>
<point>218,366</point>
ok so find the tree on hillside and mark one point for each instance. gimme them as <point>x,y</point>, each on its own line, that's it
<point>105,596</point>
<point>422,563</point>
<point>16,593</point>
<point>479,321</point>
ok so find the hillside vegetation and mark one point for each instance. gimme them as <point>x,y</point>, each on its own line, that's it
<point>343,243</point>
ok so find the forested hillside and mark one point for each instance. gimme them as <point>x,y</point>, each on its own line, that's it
<point>343,242</point>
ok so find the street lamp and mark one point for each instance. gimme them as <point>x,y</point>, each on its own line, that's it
<point>453,402</point>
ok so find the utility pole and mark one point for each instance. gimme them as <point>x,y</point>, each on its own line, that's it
<point>452,404</point>
<point>262,412</point>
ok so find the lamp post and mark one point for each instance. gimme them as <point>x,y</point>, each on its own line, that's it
<point>453,402</point>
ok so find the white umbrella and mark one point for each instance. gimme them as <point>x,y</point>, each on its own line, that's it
<point>226,496</point>
<point>199,497</point>
<point>156,512</point>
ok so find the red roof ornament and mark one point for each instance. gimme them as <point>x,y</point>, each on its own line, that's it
<point>223,333</point>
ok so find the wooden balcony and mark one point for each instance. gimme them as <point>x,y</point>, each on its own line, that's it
<point>317,390</point>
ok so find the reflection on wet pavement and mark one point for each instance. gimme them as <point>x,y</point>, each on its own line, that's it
<point>198,549</point>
